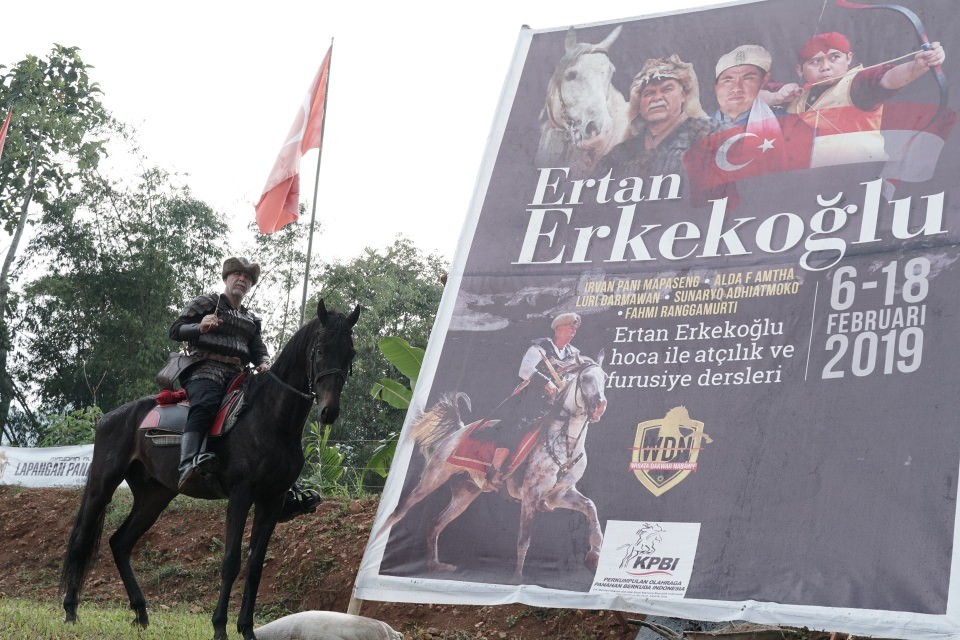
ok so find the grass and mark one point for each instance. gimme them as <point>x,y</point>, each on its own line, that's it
<point>44,621</point>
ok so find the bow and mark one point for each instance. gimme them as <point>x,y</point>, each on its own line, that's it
<point>924,44</point>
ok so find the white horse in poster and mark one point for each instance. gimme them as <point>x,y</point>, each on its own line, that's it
<point>584,116</point>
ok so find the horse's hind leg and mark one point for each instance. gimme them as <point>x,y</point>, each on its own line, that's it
<point>150,498</point>
<point>105,474</point>
<point>433,476</point>
<point>464,493</point>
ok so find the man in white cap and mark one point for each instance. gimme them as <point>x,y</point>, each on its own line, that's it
<point>740,74</point>
<point>539,385</point>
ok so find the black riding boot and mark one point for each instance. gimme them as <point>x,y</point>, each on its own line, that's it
<point>298,501</point>
<point>195,466</point>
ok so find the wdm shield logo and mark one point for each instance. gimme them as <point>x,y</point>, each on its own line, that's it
<point>666,451</point>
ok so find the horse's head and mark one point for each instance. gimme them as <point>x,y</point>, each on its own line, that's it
<point>587,389</point>
<point>580,94</point>
<point>331,358</point>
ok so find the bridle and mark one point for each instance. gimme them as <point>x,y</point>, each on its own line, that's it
<point>314,376</point>
<point>557,81</point>
<point>564,466</point>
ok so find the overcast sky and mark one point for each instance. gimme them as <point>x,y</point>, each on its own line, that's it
<point>213,87</point>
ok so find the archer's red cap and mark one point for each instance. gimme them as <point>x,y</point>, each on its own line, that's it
<point>822,43</point>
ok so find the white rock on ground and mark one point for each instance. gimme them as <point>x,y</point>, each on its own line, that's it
<point>326,625</point>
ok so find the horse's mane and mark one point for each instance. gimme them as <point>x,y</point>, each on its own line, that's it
<point>301,341</point>
<point>576,367</point>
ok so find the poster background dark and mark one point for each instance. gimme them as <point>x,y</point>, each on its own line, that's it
<point>838,493</point>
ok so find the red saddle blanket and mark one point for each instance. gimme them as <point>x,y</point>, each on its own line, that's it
<point>170,414</point>
<point>474,453</point>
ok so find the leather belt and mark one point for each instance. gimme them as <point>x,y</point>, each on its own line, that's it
<point>206,355</point>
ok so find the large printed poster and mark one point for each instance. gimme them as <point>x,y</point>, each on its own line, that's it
<point>696,353</point>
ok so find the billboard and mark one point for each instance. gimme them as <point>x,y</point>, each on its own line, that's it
<point>695,355</point>
<point>45,466</point>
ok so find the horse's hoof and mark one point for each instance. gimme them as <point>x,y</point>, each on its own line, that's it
<point>220,634</point>
<point>592,560</point>
<point>71,618</point>
<point>441,567</point>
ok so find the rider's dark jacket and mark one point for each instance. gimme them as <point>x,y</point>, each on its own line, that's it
<point>226,349</point>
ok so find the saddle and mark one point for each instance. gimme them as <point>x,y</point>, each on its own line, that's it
<point>477,453</point>
<point>163,425</point>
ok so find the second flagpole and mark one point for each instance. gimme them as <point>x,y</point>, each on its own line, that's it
<point>316,183</point>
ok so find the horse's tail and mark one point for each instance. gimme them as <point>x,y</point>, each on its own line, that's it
<point>440,421</point>
<point>112,448</point>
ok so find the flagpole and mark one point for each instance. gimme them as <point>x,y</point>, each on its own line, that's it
<point>316,183</point>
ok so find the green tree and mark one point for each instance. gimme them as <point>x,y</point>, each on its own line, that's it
<point>408,360</point>
<point>399,290</point>
<point>120,265</point>
<point>54,144</point>
<point>279,293</point>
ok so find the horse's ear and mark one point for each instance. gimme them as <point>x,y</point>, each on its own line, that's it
<point>570,42</point>
<point>600,357</point>
<point>322,311</point>
<point>354,316</point>
<point>605,45</point>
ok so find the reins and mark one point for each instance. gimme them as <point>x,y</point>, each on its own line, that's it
<point>564,467</point>
<point>305,396</point>
<point>312,377</point>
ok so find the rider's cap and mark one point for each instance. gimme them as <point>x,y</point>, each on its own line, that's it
<point>564,319</point>
<point>239,264</point>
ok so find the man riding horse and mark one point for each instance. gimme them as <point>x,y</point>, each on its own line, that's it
<point>225,337</point>
<point>540,382</point>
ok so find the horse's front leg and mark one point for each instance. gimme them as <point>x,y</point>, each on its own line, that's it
<point>528,509</point>
<point>576,501</point>
<point>237,509</point>
<point>265,518</point>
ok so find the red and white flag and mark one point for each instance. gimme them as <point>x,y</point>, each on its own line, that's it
<point>765,145</point>
<point>279,203</point>
<point>3,131</point>
<point>909,140</point>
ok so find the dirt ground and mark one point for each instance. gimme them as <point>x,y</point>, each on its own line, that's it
<point>311,564</point>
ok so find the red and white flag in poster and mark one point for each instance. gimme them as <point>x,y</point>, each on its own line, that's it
<point>278,204</point>
<point>3,131</point>
<point>910,139</point>
<point>766,145</point>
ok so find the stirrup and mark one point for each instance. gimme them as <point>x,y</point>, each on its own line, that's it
<point>298,502</point>
<point>198,474</point>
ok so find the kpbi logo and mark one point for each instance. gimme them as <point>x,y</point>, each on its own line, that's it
<point>653,559</point>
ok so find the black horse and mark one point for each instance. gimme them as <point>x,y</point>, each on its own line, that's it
<point>259,461</point>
